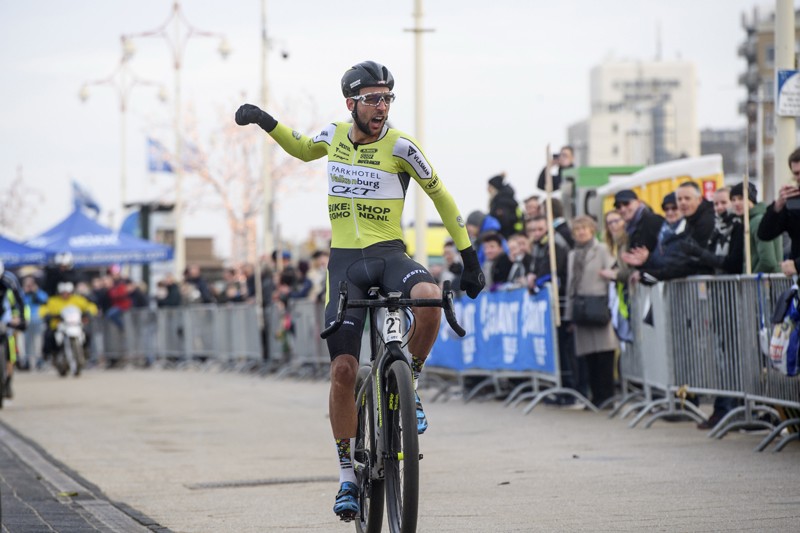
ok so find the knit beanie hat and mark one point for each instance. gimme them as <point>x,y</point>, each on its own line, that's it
<point>497,181</point>
<point>475,219</point>
<point>752,191</point>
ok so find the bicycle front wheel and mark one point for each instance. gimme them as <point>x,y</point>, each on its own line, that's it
<point>402,452</point>
<point>365,449</point>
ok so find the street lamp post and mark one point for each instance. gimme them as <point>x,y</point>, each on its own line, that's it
<point>420,219</point>
<point>122,80</point>
<point>182,31</point>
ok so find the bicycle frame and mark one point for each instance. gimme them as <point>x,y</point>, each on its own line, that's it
<point>380,359</point>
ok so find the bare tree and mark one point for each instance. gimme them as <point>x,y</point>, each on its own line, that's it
<point>18,204</point>
<point>224,173</point>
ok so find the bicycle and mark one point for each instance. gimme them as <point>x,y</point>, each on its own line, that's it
<point>386,448</point>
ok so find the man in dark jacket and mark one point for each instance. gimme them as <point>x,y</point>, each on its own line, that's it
<point>564,159</point>
<point>503,206</point>
<point>694,232</point>
<point>641,224</point>
<point>784,215</point>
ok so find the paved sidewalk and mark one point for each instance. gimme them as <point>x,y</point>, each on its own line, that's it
<point>206,452</point>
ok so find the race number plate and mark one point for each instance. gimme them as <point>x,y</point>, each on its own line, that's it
<point>393,327</point>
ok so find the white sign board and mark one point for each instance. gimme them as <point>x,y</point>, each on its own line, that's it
<point>787,85</point>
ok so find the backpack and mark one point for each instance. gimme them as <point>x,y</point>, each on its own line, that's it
<point>784,345</point>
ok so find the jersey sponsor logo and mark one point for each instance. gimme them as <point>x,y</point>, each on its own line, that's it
<point>326,135</point>
<point>369,150</point>
<point>296,134</point>
<point>351,191</point>
<point>415,272</point>
<point>460,221</point>
<point>373,212</point>
<point>406,150</point>
<point>357,181</point>
<point>338,210</point>
<point>433,183</point>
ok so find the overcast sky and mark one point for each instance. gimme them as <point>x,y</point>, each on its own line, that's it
<point>502,80</point>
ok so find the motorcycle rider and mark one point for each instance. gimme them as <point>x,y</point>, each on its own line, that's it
<point>12,311</point>
<point>51,312</point>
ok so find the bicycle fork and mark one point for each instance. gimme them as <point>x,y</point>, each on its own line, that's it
<point>392,338</point>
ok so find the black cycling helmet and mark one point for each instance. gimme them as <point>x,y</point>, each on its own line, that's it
<point>366,74</point>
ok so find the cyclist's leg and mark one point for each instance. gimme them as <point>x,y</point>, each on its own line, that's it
<point>413,280</point>
<point>344,347</point>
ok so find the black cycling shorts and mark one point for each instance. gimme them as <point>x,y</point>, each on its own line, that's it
<point>383,265</point>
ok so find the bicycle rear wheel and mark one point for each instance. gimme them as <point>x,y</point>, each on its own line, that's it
<point>370,519</point>
<point>402,453</point>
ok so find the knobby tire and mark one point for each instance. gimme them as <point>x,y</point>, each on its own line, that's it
<point>370,519</point>
<point>77,354</point>
<point>402,462</point>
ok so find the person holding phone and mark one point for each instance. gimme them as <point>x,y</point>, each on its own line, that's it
<point>562,160</point>
<point>784,215</point>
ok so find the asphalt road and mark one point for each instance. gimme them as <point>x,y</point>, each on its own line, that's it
<point>193,451</point>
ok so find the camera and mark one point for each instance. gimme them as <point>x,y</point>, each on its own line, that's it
<point>793,204</point>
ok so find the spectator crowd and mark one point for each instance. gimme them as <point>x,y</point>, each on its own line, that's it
<point>597,263</point>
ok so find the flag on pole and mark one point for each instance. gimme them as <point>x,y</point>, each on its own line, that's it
<point>82,198</point>
<point>158,158</point>
<point>192,158</point>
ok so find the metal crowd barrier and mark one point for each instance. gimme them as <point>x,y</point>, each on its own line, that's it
<point>223,334</point>
<point>700,336</point>
<point>305,355</point>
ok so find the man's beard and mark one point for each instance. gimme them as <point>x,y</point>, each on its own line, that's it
<point>360,124</point>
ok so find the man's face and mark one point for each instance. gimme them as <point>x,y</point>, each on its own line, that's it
<point>688,200</point>
<point>492,249</point>
<point>565,158</point>
<point>795,168</point>
<point>449,254</point>
<point>722,202</point>
<point>627,209</point>
<point>737,204</point>
<point>537,230</point>
<point>29,285</point>
<point>370,118</point>
<point>532,208</point>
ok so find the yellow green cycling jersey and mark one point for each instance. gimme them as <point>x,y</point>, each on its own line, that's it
<point>367,183</point>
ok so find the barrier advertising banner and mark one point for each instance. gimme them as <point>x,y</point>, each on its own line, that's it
<point>507,330</point>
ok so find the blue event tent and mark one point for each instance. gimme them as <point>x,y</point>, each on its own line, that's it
<point>14,254</point>
<point>92,244</point>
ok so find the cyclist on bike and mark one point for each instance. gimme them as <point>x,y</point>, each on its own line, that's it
<point>12,313</point>
<point>51,312</point>
<point>369,170</point>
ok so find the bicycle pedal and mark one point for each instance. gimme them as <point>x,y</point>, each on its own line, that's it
<point>347,516</point>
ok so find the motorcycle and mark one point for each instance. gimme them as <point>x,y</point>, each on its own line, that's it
<point>70,339</point>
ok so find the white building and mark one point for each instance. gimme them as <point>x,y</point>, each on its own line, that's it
<point>641,113</point>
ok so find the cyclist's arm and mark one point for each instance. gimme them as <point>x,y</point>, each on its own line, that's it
<point>414,162</point>
<point>87,306</point>
<point>301,146</point>
<point>11,281</point>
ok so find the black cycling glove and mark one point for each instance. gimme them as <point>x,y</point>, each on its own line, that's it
<point>250,114</point>
<point>472,279</point>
